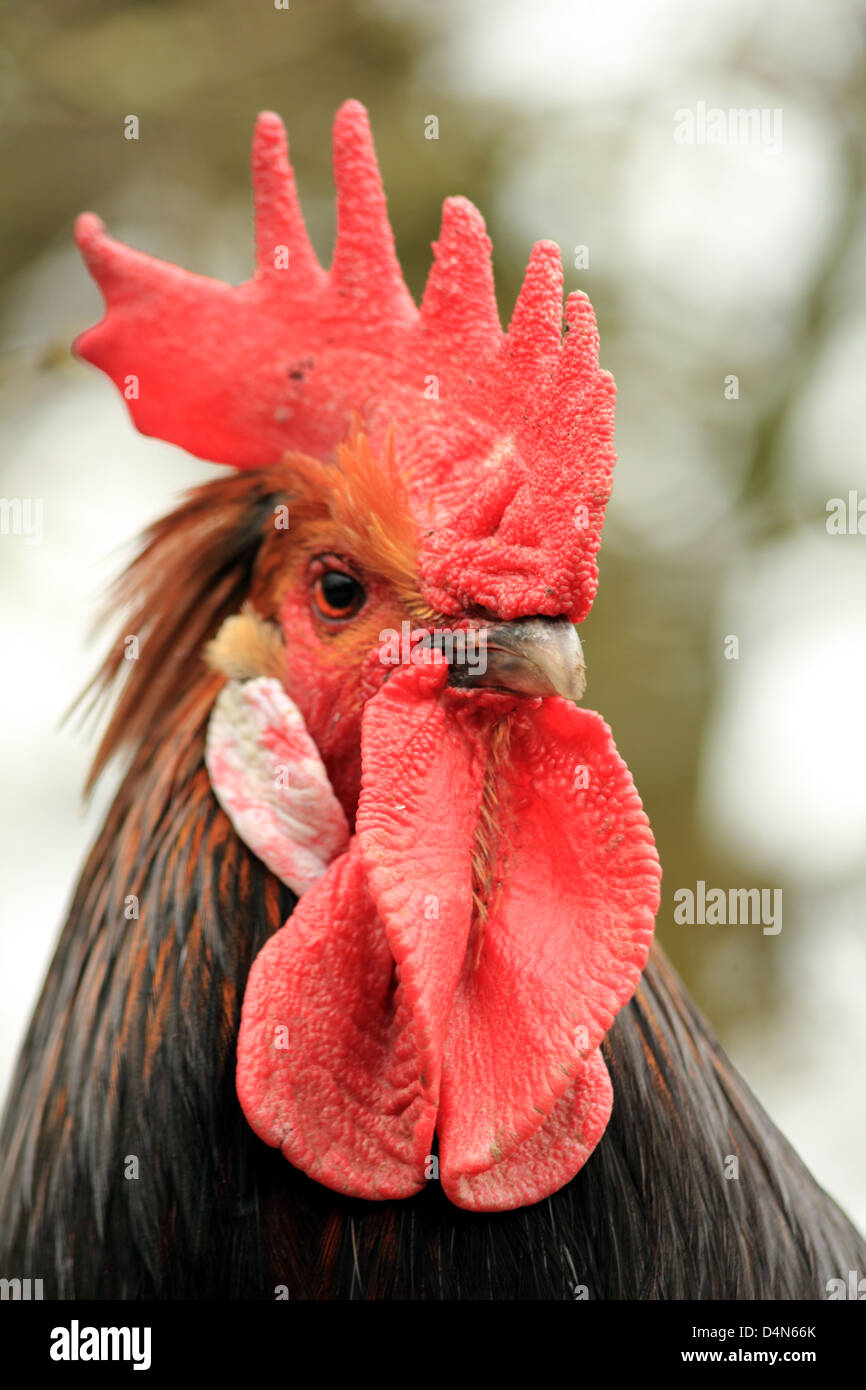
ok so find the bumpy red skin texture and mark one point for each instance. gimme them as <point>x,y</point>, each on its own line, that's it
<point>331,685</point>
<point>508,473</point>
<point>501,1059</point>
<point>509,465</point>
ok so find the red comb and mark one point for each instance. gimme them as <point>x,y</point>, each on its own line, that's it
<point>508,469</point>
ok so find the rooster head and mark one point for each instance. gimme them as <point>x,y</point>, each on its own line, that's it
<point>398,736</point>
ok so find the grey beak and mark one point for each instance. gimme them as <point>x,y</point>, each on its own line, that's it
<point>529,656</point>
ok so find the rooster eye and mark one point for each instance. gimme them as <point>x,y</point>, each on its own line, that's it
<point>337,595</point>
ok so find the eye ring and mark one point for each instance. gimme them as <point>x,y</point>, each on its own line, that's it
<point>338,595</point>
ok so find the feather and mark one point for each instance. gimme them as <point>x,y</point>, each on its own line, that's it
<point>131,1056</point>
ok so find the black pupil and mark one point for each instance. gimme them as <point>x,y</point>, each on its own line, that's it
<point>340,591</point>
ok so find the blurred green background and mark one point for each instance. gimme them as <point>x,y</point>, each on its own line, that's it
<point>558,121</point>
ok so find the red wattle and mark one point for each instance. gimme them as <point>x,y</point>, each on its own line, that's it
<point>401,1018</point>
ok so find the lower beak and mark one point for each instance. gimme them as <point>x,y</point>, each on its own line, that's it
<point>529,656</point>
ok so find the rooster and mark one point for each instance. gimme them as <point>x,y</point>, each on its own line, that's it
<point>357,996</point>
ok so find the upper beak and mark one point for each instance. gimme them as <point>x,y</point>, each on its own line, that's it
<point>529,656</point>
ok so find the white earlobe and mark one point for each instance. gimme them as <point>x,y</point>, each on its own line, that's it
<point>268,777</point>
